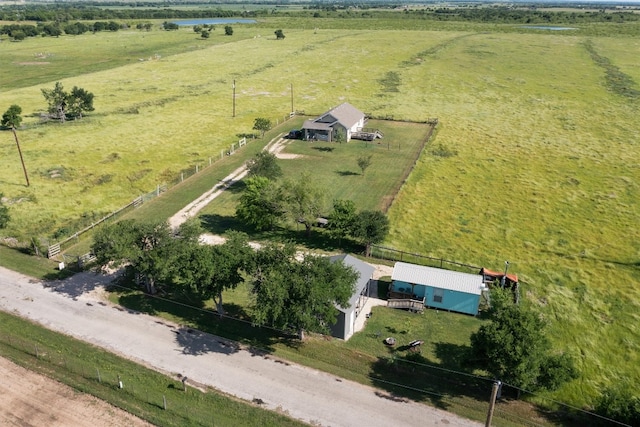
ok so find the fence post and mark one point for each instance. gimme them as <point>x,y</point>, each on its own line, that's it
<point>164,402</point>
<point>196,168</point>
<point>37,351</point>
<point>98,372</point>
<point>209,161</point>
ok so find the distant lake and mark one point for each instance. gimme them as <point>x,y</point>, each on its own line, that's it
<point>545,27</point>
<point>215,21</point>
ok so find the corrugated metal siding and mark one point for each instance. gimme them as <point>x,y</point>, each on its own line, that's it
<point>438,278</point>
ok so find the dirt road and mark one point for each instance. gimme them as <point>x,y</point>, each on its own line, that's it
<point>29,399</point>
<point>306,394</point>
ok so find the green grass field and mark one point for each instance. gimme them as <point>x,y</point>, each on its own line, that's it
<point>545,173</point>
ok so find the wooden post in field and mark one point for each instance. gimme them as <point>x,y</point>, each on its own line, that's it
<point>492,403</point>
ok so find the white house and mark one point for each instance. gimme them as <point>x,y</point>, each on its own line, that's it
<point>345,119</point>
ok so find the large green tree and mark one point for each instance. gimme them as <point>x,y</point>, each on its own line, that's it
<point>61,103</point>
<point>206,271</point>
<point>12,119</point>
<point>305,201</point>
<point>513,346</point>
<point>341,219</point>
<point>260,204</point>
<point>264,164</point>
<point>299,296</point>
<point>149,249</point>
<point>370,227</point>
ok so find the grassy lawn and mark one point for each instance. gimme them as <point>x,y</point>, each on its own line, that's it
<point>92,370</point>
<point>336,171</point>
<point>543,151</point>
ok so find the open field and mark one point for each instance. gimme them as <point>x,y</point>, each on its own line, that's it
<point>545,176</point>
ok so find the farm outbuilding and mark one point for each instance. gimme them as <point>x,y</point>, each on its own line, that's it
<point>344,327</point>
<point>345,119</point>
<point>438,288</point>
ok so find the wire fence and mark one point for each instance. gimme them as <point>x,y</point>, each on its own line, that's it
<point>177,400</point>
<point>390,254</point>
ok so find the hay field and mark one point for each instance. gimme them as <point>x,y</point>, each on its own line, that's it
<point>546,173</point>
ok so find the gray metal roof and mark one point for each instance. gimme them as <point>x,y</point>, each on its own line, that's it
<point>311,124</point>
<point>438,278</point>
<point>365,272</point>
<point>346,114</point>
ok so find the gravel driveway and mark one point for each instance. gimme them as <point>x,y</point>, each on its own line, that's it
<point>72,307</point>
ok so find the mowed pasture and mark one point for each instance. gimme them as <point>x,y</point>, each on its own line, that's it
<point>546,172</point>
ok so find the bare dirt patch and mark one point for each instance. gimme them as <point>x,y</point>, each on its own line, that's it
<point>30,399</point>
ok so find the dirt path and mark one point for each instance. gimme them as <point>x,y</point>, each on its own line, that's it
<point>274,146</point>
<point>30,399</point>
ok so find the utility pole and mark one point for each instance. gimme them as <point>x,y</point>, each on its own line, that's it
<point>492,402</point>
<point>24,168</point>
<point>234,98</point>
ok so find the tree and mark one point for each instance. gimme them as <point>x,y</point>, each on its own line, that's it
<point>57,100</point>
<point>170,26</point>
<point>514,349</point>
<point>341,219</point>
<point>279,34</point>
<point>262,125</point>
<point>264,164</point>
<point>299,296</point>
<point>12,119</point>
<point>364,162</point>
<point>370,227</point>
<point>4,214</point>
<point>231,260</point>
<point>228,30</point>
<point>260,203</point>
<point>205,34</point>
<point>148,248</point>
<point>62,103</point>
<point>18,35</point>
<point>304,201</point>
<point>79,101</point>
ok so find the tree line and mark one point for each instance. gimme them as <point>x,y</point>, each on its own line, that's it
<point>63,13</point>
<point>291,292</point>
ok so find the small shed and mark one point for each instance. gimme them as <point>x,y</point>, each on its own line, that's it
<point>345,119</point>
<point>344,327</point>
<point>443,289</point>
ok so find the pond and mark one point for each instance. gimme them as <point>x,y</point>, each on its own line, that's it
<point>546,27</point>
<point>215,21</point>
